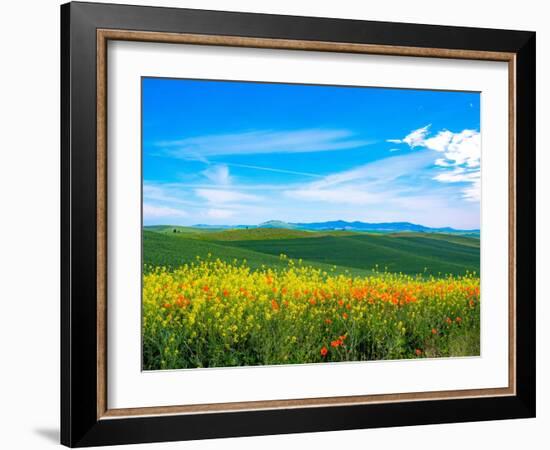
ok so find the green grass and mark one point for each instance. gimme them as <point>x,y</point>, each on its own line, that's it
<point>258,234</point>
<point>469,241</point>
<point>409,253</point>
<point>177,229</point>
<point>173,250</point>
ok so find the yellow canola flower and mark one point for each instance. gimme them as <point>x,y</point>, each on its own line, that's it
<point>213,309</point>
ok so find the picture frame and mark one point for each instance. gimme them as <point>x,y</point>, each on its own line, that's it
<point>86,418</point>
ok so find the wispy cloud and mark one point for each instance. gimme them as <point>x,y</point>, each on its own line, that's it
<point>458,175</point>
<point>158,194</point>
<point>382,170</point>
<point>368,184</point>
<point>220,213</point>
<point>222,196</point>
<point>264,141</point>
<point>179,203</point>
<point>154,212</point>
<point>473,193</point>
<point>218,174</point>
<point>391,189</point>
<point>339,195</point>
<point>273,169</point>
<point>397,188</point>
<point>464,175</point>
<point>415,138</point>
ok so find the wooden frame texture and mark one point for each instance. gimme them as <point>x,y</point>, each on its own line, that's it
<point>86,418</point>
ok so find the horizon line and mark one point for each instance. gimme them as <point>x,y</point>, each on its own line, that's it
<point>198,225</point>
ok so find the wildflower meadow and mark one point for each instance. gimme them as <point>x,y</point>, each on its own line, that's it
<point>214,313</point>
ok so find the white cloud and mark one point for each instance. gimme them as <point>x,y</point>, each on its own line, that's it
<point>461,156</point>
<point>220,196</point>
<point>458,148</point>
<point>439,142</point>
<point>414,138</point>
<point>218,174</point>
<point>153,212</point>
<point>266,141</point>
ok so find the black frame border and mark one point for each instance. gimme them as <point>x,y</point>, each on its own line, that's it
<point>79,424</point>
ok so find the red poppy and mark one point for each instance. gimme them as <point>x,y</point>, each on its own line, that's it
<point>324,351</point>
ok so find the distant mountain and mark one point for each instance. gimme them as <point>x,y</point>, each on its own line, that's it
<point>206,226</point>
<point>384,227</point>
<point>278,224</point>
<point>221,227</point>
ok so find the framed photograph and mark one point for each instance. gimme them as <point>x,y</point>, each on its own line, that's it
<point>277,224</point>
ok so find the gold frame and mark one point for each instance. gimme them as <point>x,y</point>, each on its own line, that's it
<point>103,36</point>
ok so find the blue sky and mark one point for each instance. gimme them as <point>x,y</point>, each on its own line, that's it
<point>222,152</point>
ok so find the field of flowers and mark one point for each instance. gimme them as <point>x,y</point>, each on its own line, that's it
<point>217,314</point>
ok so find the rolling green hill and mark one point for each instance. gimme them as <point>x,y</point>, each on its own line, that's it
<point>469,241</point>
<point>258,234</point>
<point>165,249</point>
<point>410,253</point>
<point>175,229</point>
<point>363,251</point>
